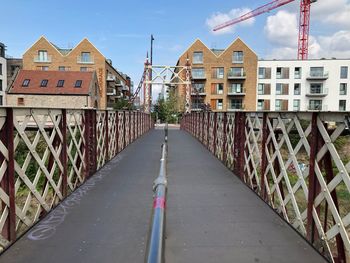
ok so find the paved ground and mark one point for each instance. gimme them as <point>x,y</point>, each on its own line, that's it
<point>211,215</point>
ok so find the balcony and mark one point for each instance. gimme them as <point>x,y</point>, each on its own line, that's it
<point>196,92</point>
<point>235,92</point>
<point>85,60</point>
<point>111,92</point>
<point>198,75</point>
<point>317,75</point>
<point>238,108</point>
<point>317,107</point>
<point>40,59</point>
<point>111,77</point>
<point>319,93</point>
<point>236,75</point>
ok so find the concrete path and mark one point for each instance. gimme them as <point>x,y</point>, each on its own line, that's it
<point>211,215</point>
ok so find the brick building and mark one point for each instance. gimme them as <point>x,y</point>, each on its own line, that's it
<point>57,89</point>
<point>44,55</point>
<point>224,79</point>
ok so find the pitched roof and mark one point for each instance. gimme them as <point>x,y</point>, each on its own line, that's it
<point>36,76</point>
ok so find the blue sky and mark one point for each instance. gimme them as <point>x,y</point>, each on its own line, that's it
<point>121,29</point>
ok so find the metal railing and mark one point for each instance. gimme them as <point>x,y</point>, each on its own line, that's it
<point>42,59</point>
<point>156,241</point>
<point>298,163</point>
<point>46,154</point>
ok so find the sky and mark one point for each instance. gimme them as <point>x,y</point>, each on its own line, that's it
<point>121,29</point>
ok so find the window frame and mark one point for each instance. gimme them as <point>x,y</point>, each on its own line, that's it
<point>78,83</point>
<point>195,61</point>
<point>25,82</point>
<point>60,83</point>
<point>234,61</point>
<point>43,83</point>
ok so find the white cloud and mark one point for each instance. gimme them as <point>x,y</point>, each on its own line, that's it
<point>281,29</point>
<point>220,18</point>
<point>335,12</point>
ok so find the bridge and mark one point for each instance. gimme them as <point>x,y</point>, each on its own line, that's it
<point>76,185</point>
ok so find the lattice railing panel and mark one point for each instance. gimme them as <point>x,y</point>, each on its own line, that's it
<point>76,148</point>
<point>121,130</point>
<point>112,133</point>
<point>101,138</point>
<point>127,129</point>
<point>299,163</point>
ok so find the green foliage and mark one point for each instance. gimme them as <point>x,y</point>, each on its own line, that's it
<point>166,110</point>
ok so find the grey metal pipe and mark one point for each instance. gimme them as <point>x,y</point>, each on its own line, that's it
<point>156,241</point>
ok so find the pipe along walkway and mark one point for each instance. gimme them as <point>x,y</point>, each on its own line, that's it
<point>211,216</point>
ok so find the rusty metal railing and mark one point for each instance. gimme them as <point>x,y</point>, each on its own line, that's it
<point>156,240</point>
<point>45,154</point>
<point>298,162</point>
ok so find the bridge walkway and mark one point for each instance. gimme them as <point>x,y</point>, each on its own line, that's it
<point>211,215</point>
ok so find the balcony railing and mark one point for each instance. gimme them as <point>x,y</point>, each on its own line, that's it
<point>39,59</point>
<point>322,93</point>
<point>198,75</point>
<point>85,60</point>
<point>317,75</point>
<point>200,91</point>
<point>111,77</point>
<point>317,107</point>
<point>233,91</point>
<point>111,92</point>
<point>236,75</point>
<point>237,108</point>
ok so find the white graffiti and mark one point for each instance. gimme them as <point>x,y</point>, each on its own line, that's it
<point>47,227</point>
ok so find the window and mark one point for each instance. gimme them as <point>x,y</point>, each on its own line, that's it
<point>296,105</point>
<point>342,105</point>
<point>260,104</point>
<point>315,105</point>
<point>62,68</point>
<point>316,72</point>
<point>1,102</point>
<point>25,83</point>
<point>44,83</point>
<point>60,83</point>
<point>199,87</point>
<point>219,104</point>
<point>278,89</point>
<point>218,73</point>
<point>344,72</point>
<point>86,57</point>
<point>261,89</point>
<point>343,89</point>
<point>282,73</point>
<point>297,89</point>
<point>236,104</point>
<point>78,84</point>
<point>197,57</point>
<point>0,84</point>
<point>237,57</point>
<point>20,101</point>
<point>236,88</point>
<point>83,69</point>
<point>297,73</point>
<point>198,73</point>
<point>264,73</point>
<point>278,105</point>
<point>217,89</point>
<point>42,56</point>
<point>0,69</point>
<point>316,88</point>
<point>236,72</point>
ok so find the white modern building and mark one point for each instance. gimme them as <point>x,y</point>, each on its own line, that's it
<point>296,85</point>
<point>3,74</point>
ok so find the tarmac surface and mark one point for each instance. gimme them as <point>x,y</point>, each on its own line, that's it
<point>211,215</point>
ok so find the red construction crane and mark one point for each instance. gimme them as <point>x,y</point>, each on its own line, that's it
<point>304,22</point>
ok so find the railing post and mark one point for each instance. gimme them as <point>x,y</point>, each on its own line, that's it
<point>208,129</point>
<point>312,178</point>
<point>224,139</point>
<point>203,115</point>
<point>94,141</point>
<point>106,134</point>
<point>117,132</point>
<point>8,180</point>
<point>263,156</point>
<point>124,129</point>
<point>214,133</point>
<point>64,156</point>
<point>130,127</point>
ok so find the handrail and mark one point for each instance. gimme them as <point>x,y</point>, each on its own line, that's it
<point>156,241</point>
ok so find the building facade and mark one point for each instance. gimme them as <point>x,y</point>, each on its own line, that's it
<point>223,80</point>
<point>14,65</point>
<point>3,75</point>
<point>302,85</point>
<point>54,89</point>
<point>44,55</point>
